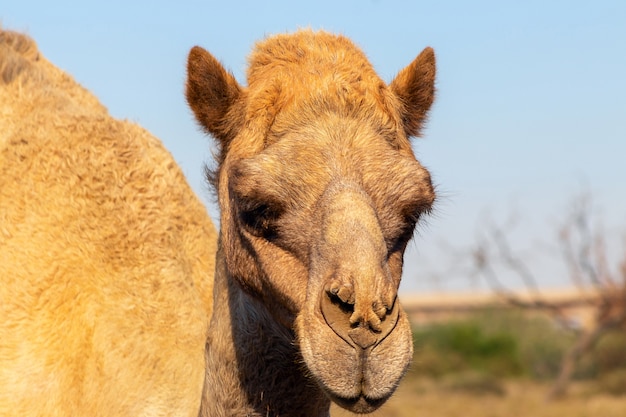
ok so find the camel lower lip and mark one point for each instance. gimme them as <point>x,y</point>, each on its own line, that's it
<point>361,404</point>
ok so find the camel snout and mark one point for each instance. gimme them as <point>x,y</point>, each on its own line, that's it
<point>362,322</point>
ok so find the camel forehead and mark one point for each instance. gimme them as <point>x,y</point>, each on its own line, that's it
<point>310,54</point>
<point>312,70</point>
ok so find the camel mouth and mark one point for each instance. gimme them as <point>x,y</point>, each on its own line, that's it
<point>361,404</point>
<point>357,379</point>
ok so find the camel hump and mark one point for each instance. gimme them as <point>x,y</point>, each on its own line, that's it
<point>22,63</point>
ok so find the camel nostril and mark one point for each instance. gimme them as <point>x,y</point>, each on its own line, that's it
<point>343,293</point>
<point>380,310</point>
<point>345,308</point>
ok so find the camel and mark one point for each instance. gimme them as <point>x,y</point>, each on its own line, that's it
<point>106,255</point>
<point>117,297</point>
<point>319,193</point>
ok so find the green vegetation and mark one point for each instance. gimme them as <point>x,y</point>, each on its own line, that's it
<point>502,344</point>
<point>479,353</point>
<point>465,345</point>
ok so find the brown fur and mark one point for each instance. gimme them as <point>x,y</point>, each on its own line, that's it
<point>319,193</point>
<point>106,256</point>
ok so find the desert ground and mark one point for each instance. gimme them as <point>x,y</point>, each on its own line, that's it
<point>423,398</point>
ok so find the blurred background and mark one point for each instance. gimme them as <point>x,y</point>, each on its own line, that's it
<point>521,264</point>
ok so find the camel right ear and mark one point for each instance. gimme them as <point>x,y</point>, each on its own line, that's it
<point>211,92</point>
<point>415,86</point>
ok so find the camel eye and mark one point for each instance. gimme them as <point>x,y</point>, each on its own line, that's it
<point>260,218</point>
<point>258,209</point>
<point>403,225</point>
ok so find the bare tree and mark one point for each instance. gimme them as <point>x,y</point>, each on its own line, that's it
<point>583,249</point>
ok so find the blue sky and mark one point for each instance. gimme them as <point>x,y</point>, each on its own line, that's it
<point>531,104</point>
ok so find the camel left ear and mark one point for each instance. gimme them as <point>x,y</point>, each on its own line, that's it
<point>415,86</point>
<point>211,93</point>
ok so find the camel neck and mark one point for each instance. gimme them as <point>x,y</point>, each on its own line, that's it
<point>254,367</point>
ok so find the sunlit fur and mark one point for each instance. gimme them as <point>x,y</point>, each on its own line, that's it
<point>319,193</point>
<point>106,256</point>
<point>108,304</point>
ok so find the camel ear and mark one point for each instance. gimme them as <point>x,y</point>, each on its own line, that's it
<point>211,92</point>
<point>415,86</point>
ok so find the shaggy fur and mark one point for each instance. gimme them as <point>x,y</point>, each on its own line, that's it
<point>319,193</point>
<point>106,256</point>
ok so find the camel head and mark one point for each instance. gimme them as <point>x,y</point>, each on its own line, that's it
<point>320,192</point>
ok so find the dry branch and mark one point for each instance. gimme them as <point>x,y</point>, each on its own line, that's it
<point>584,252</point>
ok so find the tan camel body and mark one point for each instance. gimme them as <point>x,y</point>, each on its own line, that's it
<point>106,256</point>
